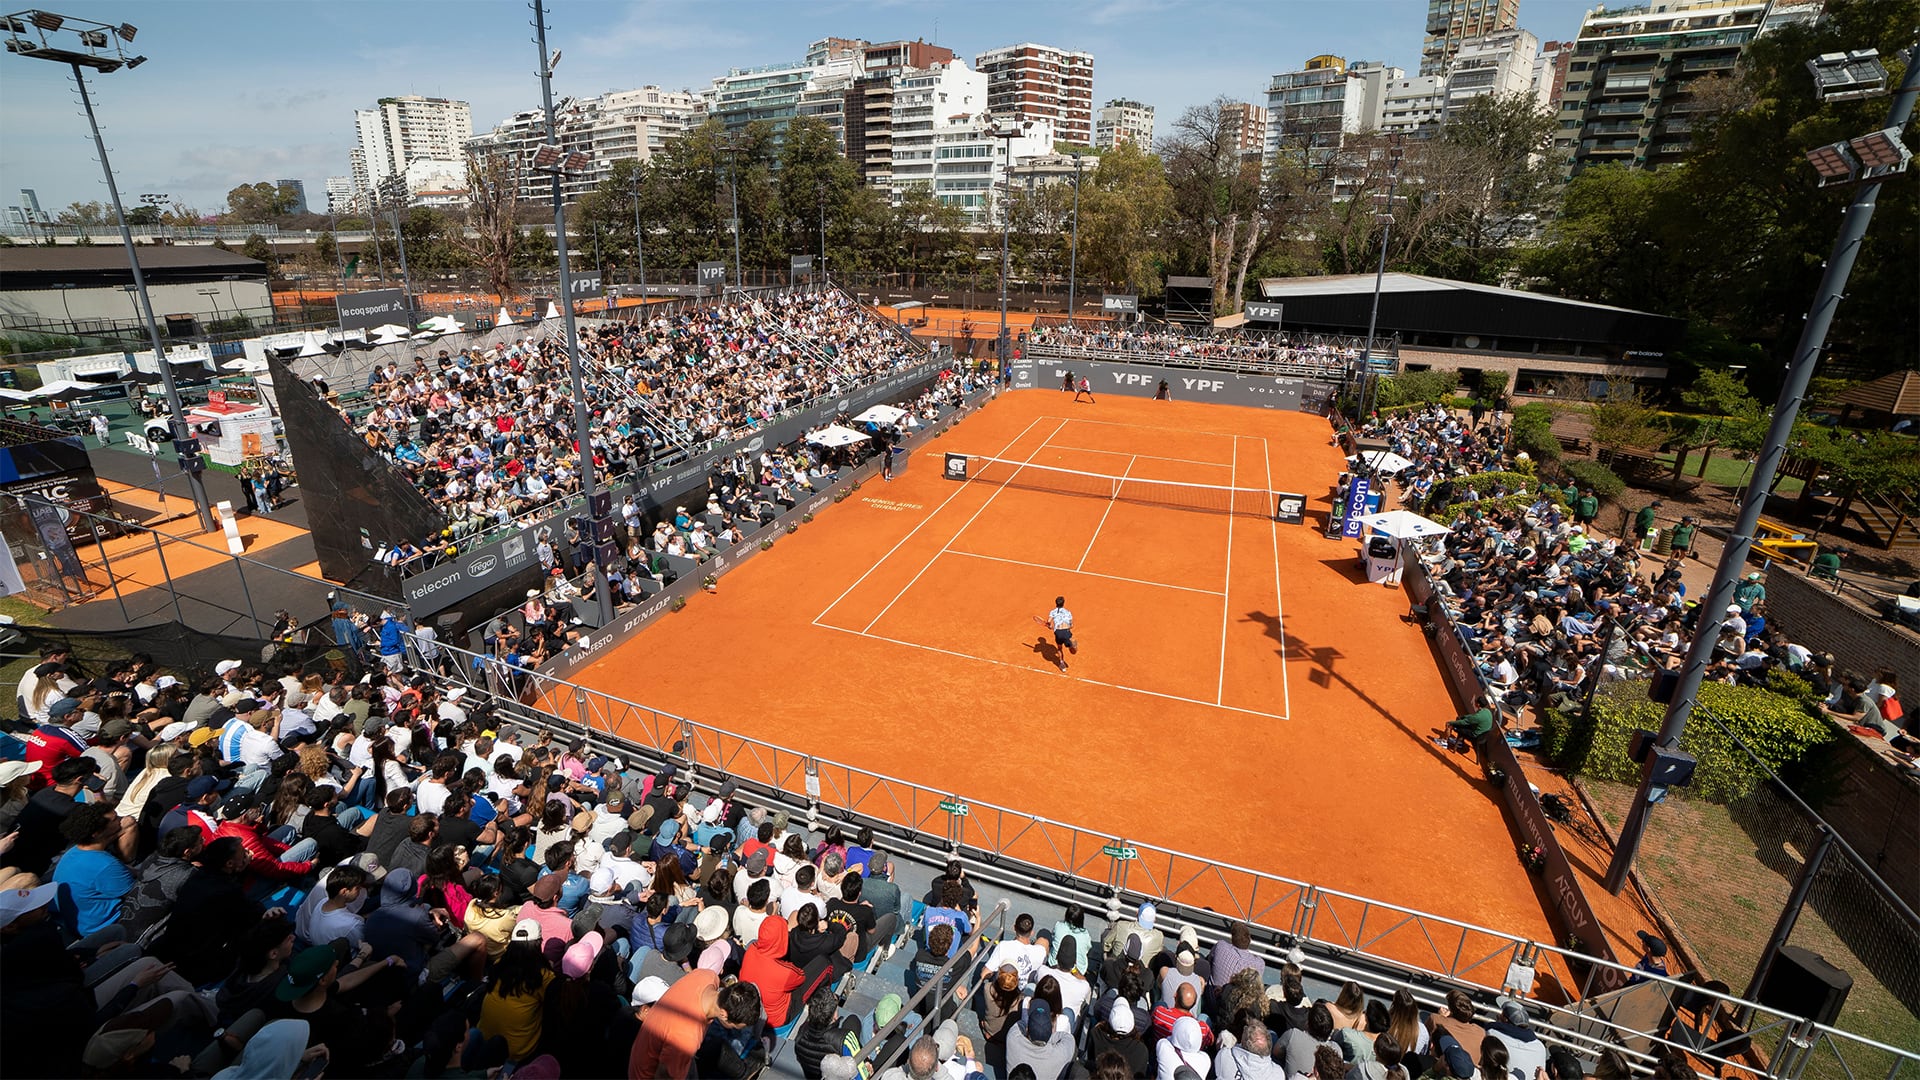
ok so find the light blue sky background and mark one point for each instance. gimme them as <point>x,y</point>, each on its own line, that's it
<point>242,90</point>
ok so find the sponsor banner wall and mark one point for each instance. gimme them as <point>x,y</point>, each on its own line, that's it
<point>1183,384</point>
<point>449,583</point>
<point>366,310</point>
<point>630,622</point>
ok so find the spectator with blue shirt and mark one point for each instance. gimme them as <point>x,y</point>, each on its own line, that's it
<point>93,879</point>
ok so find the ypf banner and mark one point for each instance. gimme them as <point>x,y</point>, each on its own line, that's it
<point>584,285</point>
<point>713,275</point>
<point>1264,313</point>
<point>800,266</point>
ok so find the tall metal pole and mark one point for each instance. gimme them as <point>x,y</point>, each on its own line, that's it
<point>373,226</point>
<point>194,483</point>
<point>823,227</point>
<point>1073,258</point>
<point>639,246</point>
<point>1733,560</point>
<point>406,279</point>
<point>1004,346</point>
<point>582,413</point>
<point>733,186</point>
<point>1379,279</point>
<point>339,259</point>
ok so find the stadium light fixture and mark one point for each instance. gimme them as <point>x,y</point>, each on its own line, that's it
<point>47,20</point>
<point>1833,162</point>
<point>1880,149</point>
<point>1848,76</point>
<point>576,162</point>
<point>126,31</point>
<point>546,156</point>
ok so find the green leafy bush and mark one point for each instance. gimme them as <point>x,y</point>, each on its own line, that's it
<point>1493,383</point>
<point>1591,474</point>
<point>1533,432</point>
<point>1777,729</point>
<point>1415,388</point>
<point>1565,735</point>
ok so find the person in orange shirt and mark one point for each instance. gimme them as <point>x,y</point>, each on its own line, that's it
<point>671,1035</point>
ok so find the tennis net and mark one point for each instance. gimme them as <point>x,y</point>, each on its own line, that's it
<point>1207,498</point>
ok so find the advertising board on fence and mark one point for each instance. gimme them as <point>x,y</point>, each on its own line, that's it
<point>449,583</point>
<point>1183,384</point>
<point>377,307</point>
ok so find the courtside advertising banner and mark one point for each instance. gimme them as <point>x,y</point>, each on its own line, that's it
<point>712,275</point>
<point>1289,509</point>
<point>1120,303</point>
<point>1183,383</point>
<point>1356,508</point>
<point>380,307</point>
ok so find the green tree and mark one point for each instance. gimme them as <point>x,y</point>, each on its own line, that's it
<point>326,252</point>
<point>1125,208</point>
<point>1492,174</point>
<point>816,182</point>
<point>492,237</point>
<point>144,215</point>
<point>85,214</point>
<point>259,203</point>
<point>257,247</point>
<point>1220,204</point>
<point>1624,420</point>
<point>1610,243</point>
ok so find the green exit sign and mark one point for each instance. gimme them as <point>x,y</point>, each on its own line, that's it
<point>1124,854</point>
<point>954,807</point>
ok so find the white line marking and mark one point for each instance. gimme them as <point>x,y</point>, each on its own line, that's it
<point>1149,457</point>
<point>1051,674</point>
<point>1226,603</point>
<point>1103,517</point>
<point>1082,573</point>
<point>1002,486</point>
<point>1146,427</point>
<point>881,561</point>
<point>1279,616</point>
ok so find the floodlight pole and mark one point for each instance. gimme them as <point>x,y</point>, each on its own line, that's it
<point>195,484</point>
<point>582,412</point>
<point>1073,257</point>
<point>1367,378</point>
<point>1004,345</point>
<point>400,238</point>
<point>1733,559</point>
<point>733,188</point>
<point>639,248</point>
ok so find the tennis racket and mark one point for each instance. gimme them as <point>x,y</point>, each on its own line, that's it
<point>1042,620</point>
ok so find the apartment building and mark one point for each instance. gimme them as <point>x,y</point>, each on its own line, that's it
<point>868,111</point>
<point>1042,82</point>
<point>398,131</point>
<point>1413,106</point>
<point>1125,121</point>
<point>1500,65</point>
<point>1628,96</point>
<point>1246,125</point>
<point>616,126</point>
<point>1314,109</point>
<point>1451,23</point>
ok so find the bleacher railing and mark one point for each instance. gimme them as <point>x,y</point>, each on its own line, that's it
<point>1065,861</point>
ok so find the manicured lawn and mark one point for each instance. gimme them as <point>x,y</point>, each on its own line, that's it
<point>1727,471</point>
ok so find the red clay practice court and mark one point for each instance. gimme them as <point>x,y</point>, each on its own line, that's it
<point>1239,692</point>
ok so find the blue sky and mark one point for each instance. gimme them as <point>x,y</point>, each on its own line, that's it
<point>246,90</point>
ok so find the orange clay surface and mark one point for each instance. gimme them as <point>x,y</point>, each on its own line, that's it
<point>1238,692</point>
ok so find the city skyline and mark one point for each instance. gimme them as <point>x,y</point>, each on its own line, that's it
<point>194,131</point>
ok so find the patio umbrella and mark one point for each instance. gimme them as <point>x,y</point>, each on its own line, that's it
<point>834,435</point>
<point>1404,525</point>
<point>64,390</point>
<point>1385,462</point>
<point>246,365</point>
<point>881,414</point>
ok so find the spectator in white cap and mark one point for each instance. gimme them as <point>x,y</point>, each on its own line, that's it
<point>1152,941</point>
<point>716,946</point>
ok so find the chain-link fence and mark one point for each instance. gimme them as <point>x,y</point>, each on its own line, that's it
<point>1739,880</point>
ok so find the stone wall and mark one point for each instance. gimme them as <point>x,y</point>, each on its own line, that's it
<point>1859,639</point>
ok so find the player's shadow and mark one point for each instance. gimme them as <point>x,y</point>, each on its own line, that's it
<point>1325,674</point>
<point>1046,650</point>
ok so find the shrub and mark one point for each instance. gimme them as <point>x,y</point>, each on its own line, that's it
<point>1591,474</point>
<point>1493,383</point>
<point>1777,729</point>
<point>766,545</point>
<point>1533,432</point>
<point>1565,735</point>
<point>1415,387</point>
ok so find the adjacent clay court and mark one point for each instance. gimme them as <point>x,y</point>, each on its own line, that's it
<point>1238,692</point>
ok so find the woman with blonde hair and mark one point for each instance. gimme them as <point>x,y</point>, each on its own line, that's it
<point>135,800</point>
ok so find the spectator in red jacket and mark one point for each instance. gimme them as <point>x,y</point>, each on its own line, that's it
<point>766,967</point>
<point>241,815</point>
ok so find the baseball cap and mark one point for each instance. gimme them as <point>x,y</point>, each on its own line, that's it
<point>1654,944</point>
<point>579,957</point>
<point>1120,1018</point>
<point>1146,916</point>
<point>225,666</point>
<point>1513,1012</point>
<point>117,728</point>
<point>237,803</point>
<point>526,930</point>
<point>548,888</point>
<point>17,902</point>
<point>65,706</point>
<point>175,730</point>
<point>306,970</point>
<point>1039,1025</point>
<point>645,992</point>
<point>14,770</point>
<point>165,682</point>
<point>247,705</point>
<point>199,786</point>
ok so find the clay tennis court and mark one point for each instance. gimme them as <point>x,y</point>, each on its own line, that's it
<point>1238,693</point>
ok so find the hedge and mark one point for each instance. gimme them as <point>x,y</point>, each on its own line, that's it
<point>1779,730</point>
<point>1533,432</point>
<point>1591,474</point>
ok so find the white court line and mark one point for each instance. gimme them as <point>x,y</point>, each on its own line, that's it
<point>1226,603</point>
<point>1149,457</point>
<point>1002,486</point>
<point>957,489</point>
<point>1037,671</point>
<point>1279,613</point>
<point>1103,518</point>
<point>1145,427</point>
<point>1082,573</point>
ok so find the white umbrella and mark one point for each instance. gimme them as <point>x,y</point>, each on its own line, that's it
<point>64,386</point>
<point>245,364</point>
<point>835,435</point>
<point>428,333</point>
<point>1404,525</point>
<point>9,394</point>
<point>1385,462</point>
<point>388,335</point>
<point>881,414</point>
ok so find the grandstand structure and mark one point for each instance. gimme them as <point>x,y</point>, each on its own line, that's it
<point>1024,863</point>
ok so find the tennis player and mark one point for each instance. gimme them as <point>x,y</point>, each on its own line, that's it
<point>1062,622</point>
<point>1085,387</point>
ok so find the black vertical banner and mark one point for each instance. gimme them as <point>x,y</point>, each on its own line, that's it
<point>52,527</point>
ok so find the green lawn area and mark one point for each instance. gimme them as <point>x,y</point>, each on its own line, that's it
<point>1727,471</point>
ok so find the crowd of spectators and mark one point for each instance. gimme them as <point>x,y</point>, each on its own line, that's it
<point>1550,606</point>
<point>1160,341</point>
<point>488,435</point>
<point>273,871</point>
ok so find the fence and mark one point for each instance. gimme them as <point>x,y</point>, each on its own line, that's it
<point>1729,875</point>
<point>1060,861</point>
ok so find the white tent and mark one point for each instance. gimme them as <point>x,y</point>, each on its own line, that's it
<point>389,330</point>
<point>388,335</point>
<point>245,365</point>
<point>553,311</point>
<point>881,414</point>
<point>835,435</point>
<point>313,344</point>
<point>8,394</point>
<point>64,386</point>
<point>503,319</point>
<point>1404,525</point>
<point>1384,462</point>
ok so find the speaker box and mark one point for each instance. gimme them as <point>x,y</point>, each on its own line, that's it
<point>1804,984</point>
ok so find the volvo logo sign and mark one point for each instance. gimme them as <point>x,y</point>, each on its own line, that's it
<point>754,446</point>
<point>482,566</point>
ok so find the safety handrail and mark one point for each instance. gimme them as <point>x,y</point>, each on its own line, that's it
<point>910,1011</point>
